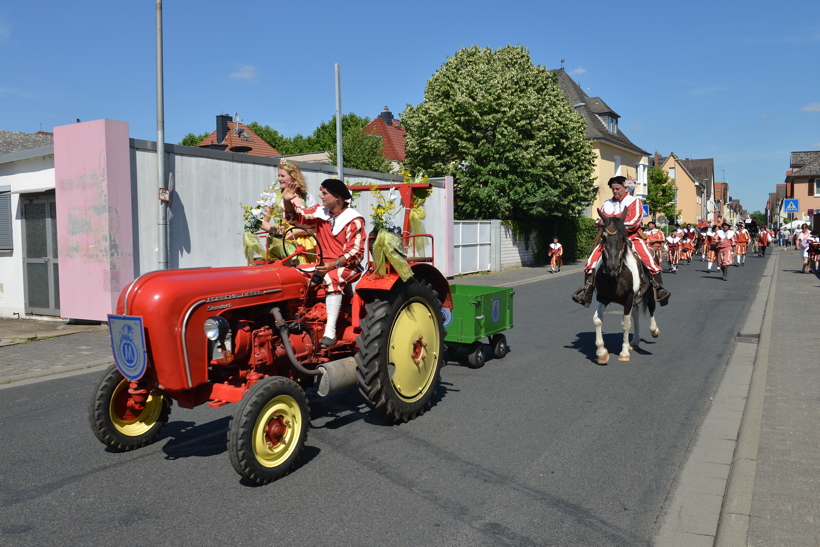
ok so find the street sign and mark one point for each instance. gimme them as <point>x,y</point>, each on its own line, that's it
<point>811,212</point>
<point>791,205</point>
<point>645,211</point>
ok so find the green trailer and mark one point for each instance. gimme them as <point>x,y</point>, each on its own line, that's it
<point>478,312</point>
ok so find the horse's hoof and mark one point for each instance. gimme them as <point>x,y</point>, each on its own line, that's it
<point>656,333</point>
<point>603,359</point>
<point>623,358</point>
<point>634,347</point>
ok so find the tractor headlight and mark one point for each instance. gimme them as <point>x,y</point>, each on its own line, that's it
<point>216,328</point>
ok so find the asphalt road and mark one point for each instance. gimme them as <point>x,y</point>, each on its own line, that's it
<point>544,447</point>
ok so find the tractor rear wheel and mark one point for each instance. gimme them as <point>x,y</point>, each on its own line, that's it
<point>401,349</point>
<point>115,423</point>
<point>269,430</point>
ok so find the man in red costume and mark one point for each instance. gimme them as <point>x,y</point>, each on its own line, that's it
<point>340,231</point>
<point>619,202</point>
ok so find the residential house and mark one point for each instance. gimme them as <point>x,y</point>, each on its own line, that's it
<point>689,191</point>
<point>393,135</point>
<point>615,153</point>
<point>703,171</point>
<point>236,137</point>
<point>803,184</point>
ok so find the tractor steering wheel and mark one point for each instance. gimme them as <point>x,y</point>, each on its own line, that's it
<point>317,254</point>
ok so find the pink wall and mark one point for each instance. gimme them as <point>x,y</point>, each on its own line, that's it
<point>92,168</point>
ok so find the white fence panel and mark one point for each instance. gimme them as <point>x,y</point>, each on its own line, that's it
<point>473,246</point>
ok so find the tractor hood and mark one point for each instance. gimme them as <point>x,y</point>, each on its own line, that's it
<point>174,304</point>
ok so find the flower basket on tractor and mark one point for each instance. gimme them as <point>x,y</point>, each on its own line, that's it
<point>250,335</point>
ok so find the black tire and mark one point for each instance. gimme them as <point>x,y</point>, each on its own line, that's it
<point>401,350</point>
<point>275,410</point>
<point>499,344</point>
<point>119,427</point>
<point>476,356</point>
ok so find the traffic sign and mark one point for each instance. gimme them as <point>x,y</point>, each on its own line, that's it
<point>645,211</point>
<point>811,212</point>
<point>791,205</point>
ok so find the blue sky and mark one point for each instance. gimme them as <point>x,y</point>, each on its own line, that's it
<point>729,80</point>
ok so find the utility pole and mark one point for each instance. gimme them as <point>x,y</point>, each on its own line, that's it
<point>339,163</point>
<point>162,244</point>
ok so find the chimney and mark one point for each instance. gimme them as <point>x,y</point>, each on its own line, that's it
<point>222,127</point>
<point>387,117</point>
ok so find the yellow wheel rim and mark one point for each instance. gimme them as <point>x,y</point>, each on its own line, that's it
<point>277,431</point>
<point>413,351</point>
<point>130,422</point>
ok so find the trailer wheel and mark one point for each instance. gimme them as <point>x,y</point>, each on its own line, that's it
<point>475,355</point>
<point>118,426</point>
<point>269,430</point>
<point>401,349</point>
<point>499,344</point>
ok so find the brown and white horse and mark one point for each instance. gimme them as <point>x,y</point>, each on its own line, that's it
<point>618,280</point>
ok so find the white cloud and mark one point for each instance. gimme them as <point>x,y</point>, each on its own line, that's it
<point>636,127</point>
<point>577,71</point>
<point>813,107</point>
<point>245,72</point>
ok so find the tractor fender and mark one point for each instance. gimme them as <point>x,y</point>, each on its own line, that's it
<point>368,284</point>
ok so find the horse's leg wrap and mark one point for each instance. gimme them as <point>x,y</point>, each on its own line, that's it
<point>601,353</point>
<point>584,295</point>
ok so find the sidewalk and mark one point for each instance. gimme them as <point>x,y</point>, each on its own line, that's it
<point>23,356</point>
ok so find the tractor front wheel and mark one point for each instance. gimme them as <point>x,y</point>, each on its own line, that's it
<point>401,350</point>
<point>269,430</point>
<point>117,423</point>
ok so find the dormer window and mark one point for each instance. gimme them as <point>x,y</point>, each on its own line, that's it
<point>611,123</point>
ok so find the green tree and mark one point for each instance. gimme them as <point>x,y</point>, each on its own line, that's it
<point>758,217</point>
<point>660,194</point>
<point>506,132</point>
<point>361,151</point>
<point>193,140</point>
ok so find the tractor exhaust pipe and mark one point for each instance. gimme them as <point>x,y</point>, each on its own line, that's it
<point>337,376</point>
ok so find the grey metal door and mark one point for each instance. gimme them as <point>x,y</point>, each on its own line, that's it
<point>40,245</point>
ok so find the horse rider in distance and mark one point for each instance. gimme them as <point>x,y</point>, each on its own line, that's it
<point>620,201</point>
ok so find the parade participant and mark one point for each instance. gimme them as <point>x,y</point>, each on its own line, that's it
<point>802,234</point>
<point>290,172</point>
<point>742,238</point>
<point>655,239</point>
<point>701,243</point>
<point>556,255</point>
<point>686,249</point>
<point>724,239</point>
<point>711,250</point>
<point>673,250</point>
<point>814,250</point>
<point>615,206</point>
<point>763,241</point>
<point>341,236</point>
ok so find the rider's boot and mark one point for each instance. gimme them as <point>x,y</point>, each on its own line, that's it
<point>661,294</point>
<point>584,295</point>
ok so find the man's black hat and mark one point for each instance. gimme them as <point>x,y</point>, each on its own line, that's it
<point>335,186</point>
<point>725,223</point>
<point>617,180</point>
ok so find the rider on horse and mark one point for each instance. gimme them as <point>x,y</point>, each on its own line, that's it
<point>615,206</point>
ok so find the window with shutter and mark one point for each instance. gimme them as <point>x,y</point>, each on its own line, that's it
<point>812,186</point>
<point>5,219</point>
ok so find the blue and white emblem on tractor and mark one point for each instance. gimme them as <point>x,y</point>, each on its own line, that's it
<point>128,344</point>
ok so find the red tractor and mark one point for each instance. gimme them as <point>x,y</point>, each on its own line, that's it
<point>250,335</point>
